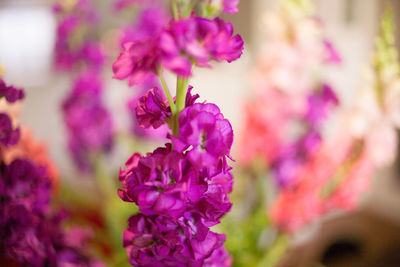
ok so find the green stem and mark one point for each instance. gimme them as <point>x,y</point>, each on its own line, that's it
<point>168,94</point>
<point>181,90</point>
<point>175,12</point>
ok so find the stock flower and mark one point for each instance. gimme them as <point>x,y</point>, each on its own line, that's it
<point>29,148</point>
<point>165,183</point>
<point>320,104</point>
<point>182,42</point>
<point>155,182</point>
<point>8,135</point>
<point>172,189</point>
<point>152,109</point>
<point>294,154</point>
<point>198,40</point>
<point>220,258</point>
<point>204,128</point>
<point>29,233</point>
<point>11,93</point>
<point>150,23</point>
<point>160,241</point>
<point>138,62</point>
<point>88,122</point>
<point>327,182</point>
<point>92,54</point>
<point>73,42</point>
<point>230,6</point>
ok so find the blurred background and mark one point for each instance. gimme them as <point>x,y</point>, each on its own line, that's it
<point>27,36</point>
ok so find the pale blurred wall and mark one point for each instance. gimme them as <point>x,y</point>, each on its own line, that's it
<point>227,84</point>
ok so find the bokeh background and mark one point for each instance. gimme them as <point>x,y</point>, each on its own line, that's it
<point>27,36</point>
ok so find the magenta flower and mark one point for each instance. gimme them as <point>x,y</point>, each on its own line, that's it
<point>155,183</point>
<point>29,233</point>
<point>138,62</point>
<point>181,43</point>
<point>71,51</point>
<point>320,104</point>
<point>89,124</point>
<point>332,56</point>
<point>152,109</point>
<point>11,93</point>
<point>160,241</point>
<point>230,6</point>
<point>8,135</point>
<point>219,258</point>
<point>198,40</point>
<point>150,24</point>
<point>149,133</point>
<point>204,128</point>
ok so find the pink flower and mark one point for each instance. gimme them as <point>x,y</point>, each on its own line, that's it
<point>198,40</point>
<point>331,180</point>
<point>182,43</point>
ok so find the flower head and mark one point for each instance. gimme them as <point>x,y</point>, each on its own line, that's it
<point>206,131</point>
<point>198,40</point>
<point>8,135</point>
<point>29,231</point>
<point>152,109</point>
<point>11,93</point>
<point>89,123</point>
<point>160,241</point>
<point>175,47</point>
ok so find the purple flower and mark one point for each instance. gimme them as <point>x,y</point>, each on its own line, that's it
<point>72,47</point>
<point>332,55</point>
<point>88,122</point>
<point>8,135</point>
<point>198,40</point>
<point>152,109</point>
<point>29,231</point>
<point>181,43</point>
<point>138,62</point>
<point>93,55</point>
<point>155,182</point>
<point>219,258</point>
<point>320,103</point>
<point>166,183</point>
<point>160,241</point>
<point>11,93</point>
<point>150,23</point>
<point>230,6</point>
<point>204,128</point>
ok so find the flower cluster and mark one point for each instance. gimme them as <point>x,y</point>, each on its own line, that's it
<point>89,124</point>
<point>326,182</point>
<point>284,78</point>
<point>182,190</point>
<point>74,43</point>
<point>30,231</point>
<point>29,147</point>
<point>178,45</point>
<point>9,134</point>
<point>294,154</point>
<point>77,50</point>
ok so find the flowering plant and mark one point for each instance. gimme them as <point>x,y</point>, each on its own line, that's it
<point>182,188</point>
